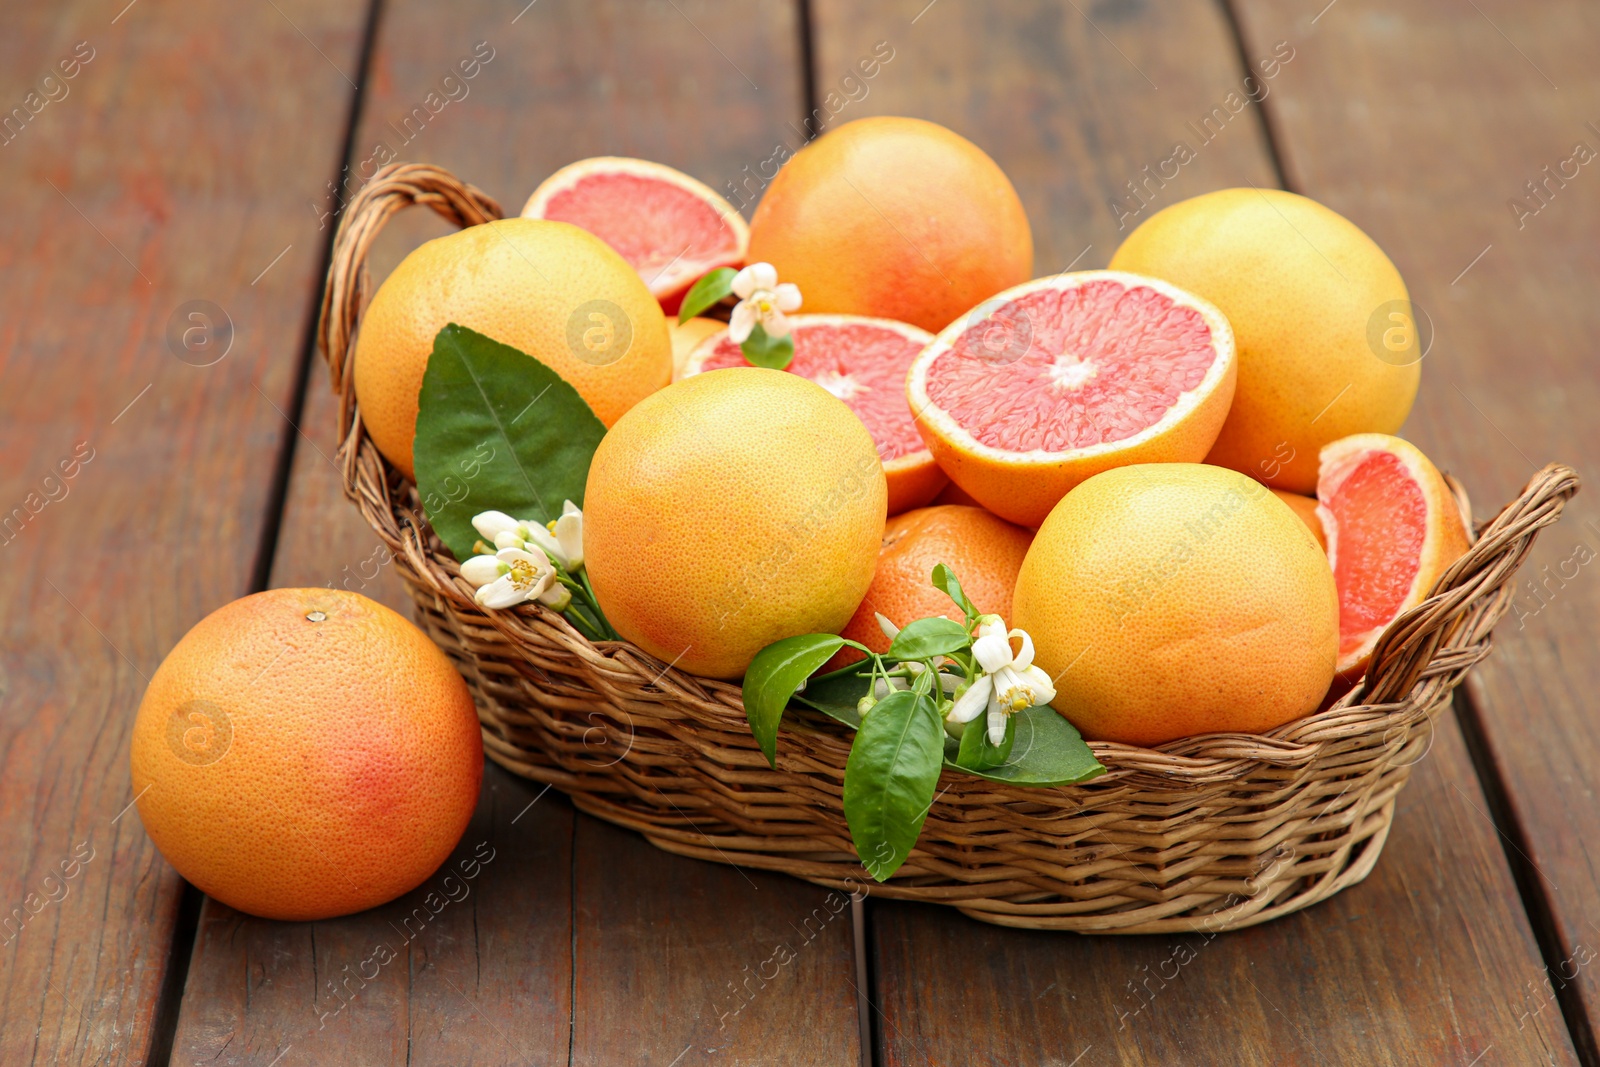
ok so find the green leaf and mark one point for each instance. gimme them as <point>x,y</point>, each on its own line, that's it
<point>927,638</point>
<point>760,350</point>
<point>773,677</point>
<point>944,578</point>
<point>977,753</point>
<point>709,290</point>
<point>497,430</point>
<point>1045,748</point>
<point>890,778</point>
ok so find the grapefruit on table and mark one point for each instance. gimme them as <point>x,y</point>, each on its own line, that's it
<point>983,550</point>
<point>1393,528</point>
<point>1056,380</point>
<point>730,510</point>
<point>306,753</point>
<point>863,362</point>
<point>893,218</point>
<point>1174,599</point>
<point>668,226</point>
<point>548,288</point>
<point>1327,339</point>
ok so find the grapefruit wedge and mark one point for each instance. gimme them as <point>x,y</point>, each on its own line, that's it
<point>1393,527</point>
<point>1058,379</point>
<point>863,362</point>
<point>669,227</point>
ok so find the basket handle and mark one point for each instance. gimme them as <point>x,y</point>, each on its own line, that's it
<point>392,189</point>
<point>1410,641</point>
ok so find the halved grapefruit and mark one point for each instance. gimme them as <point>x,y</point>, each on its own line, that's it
<point>669,227</point>
<point>1393,527</point>
<point>1058,379</point>
<point>863,362</point>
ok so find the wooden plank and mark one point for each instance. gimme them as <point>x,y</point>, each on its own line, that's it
<point>146,169</point>
<point>1478,104</point>
<point>1075,102</point>
<point>630,948</point>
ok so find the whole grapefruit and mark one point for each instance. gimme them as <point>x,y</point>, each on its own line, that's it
<point>983,550</point>
<point>1172,599</point>
<point>1324,326</point>
<point>306,753</point>
<point>730,510</point>
<point>552,290</point>
<point>894,218</point>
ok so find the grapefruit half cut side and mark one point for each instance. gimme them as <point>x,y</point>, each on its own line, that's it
<point>1058,379</point>
<point>1393,527</point>
<point>862,361</point>
<point>669,227</point>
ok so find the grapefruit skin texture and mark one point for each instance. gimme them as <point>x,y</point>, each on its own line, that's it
<point>866,371</point>
<point>1174,599</point>
<point>983,550</point>
<point>728,511</point>
<point>298,769</point>
<point>1306,508</point>
<point>1300,284</point>
<point>1388,546</point>
<point>521,282</point>
<point>895,218</point>
<point>1023,487</point>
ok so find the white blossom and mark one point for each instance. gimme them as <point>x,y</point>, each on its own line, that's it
<point>761,300</point>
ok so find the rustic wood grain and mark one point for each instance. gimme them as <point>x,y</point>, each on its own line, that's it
<point>586,941</point>
<point>159,173</point>
<point>1413,965</point>
<point>1423,122</point>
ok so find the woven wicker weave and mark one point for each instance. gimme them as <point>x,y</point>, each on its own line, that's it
<point>1209,832</point>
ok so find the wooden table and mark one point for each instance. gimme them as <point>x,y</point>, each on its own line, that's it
<point>200,153</point>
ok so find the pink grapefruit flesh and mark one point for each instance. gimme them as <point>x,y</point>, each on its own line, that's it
<point>670,228</point>
<point>1393,528</point>
<point>863,362</point>
<point>1061,378</point>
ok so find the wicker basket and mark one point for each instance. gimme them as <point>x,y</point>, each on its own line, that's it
<point>1211,832</point>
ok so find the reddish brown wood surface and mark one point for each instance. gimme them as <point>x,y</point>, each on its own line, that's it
<point>583,941</point>
<point>1410,967</point>
<point>1425,123</point>
<point>156,174</point>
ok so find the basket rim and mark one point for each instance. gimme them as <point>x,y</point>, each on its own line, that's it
<point>1444,635</point>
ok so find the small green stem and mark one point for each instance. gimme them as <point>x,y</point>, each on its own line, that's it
<point>594,602</point>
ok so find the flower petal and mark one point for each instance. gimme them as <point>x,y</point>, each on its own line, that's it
<point>787,297</point>
<point>1044,689</point>
<point>744,283</point>
<point>765,275</point>
<point>481,570</point>
<point>889,629</point>
<point>741,322</point>
<point>992,651</point>
<point>507,539</point>
<point>1024,659</point>
<point>500,593</point>
<point>569,533</point>
<point>547,541</point>
<point>775,323</point>
<point>491,523</point>
<point>557,596</point>
<point>970,705</point>
<point>997,726</point>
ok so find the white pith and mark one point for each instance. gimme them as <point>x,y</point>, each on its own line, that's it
<point>927,411</point>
